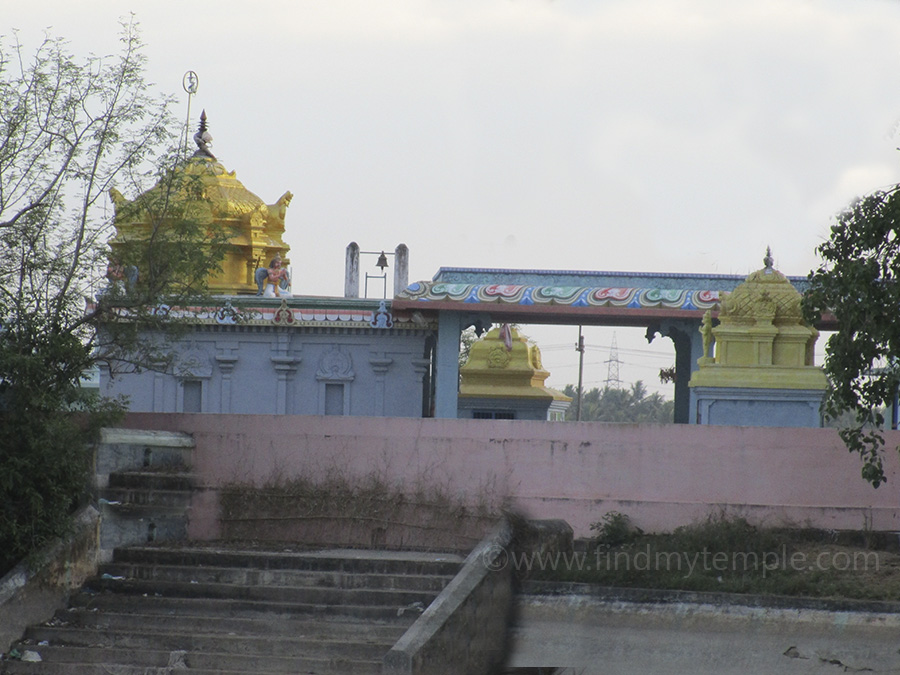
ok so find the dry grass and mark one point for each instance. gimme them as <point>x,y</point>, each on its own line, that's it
<point>730,555</point>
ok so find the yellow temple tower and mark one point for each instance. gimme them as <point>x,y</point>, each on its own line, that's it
<point>763,371</point>
<point>504,379</point>
<point>212,197</point>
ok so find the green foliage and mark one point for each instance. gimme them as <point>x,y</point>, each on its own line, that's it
<point>68,129</point>
<point>467,338</point>
<point>729,554</point>
<point>857,282</point>
<point>44,433</point>
<point>615,529</point>
<point>46,459</point>
<point>723,533</point>
<point>622,406</point>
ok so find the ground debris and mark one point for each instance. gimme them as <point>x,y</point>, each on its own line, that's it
<point>845,667</point>
<point>793,653</point>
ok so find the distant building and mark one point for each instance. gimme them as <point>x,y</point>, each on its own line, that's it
<point>258,354</point>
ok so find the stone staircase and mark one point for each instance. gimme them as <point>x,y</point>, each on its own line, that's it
<point>143,483</point>
<point>160,608</point>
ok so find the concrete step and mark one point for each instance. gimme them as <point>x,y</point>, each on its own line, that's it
<point>262,593</point>
<point>129,499</point>
<point>122,527</point>
<point>237,623</point>
<point>218,609</point>
<point>75,658</point>
<point>18,667</point>
<point>170,481</point>
<point>158,636</point>
<point>145,438</point>
<point>275,577</point>
<point>126,449</point>
<point>143,487</point>
<point>343,560</point>
<point>228,607</point>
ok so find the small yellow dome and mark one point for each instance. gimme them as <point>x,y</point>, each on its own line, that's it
<point>497,369</point>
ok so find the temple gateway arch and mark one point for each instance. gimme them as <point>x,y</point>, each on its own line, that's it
<point>667,305</point>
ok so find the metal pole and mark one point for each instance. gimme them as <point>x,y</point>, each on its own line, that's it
<point>580,349</point>
<point>190,82</point>
<point>187,128</point>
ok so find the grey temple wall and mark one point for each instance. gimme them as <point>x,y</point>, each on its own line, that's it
<point>276,370</point>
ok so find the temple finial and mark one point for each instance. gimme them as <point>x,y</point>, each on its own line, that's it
<point>203,139</point>
<point>768,261</point>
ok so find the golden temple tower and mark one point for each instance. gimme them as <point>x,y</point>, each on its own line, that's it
<point>212,197</point>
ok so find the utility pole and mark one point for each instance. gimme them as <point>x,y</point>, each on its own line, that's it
<point>579,347</point>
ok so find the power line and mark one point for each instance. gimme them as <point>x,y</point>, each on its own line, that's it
<point>623,350</point>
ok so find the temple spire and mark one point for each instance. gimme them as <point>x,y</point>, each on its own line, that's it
<point>203,139</point>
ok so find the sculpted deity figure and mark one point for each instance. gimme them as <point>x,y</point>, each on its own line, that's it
<point>706,332</point>
<point>274,276</point>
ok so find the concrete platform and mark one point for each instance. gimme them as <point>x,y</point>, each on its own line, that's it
<point>595,635</point>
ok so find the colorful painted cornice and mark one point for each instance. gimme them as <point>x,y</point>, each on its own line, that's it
<point>290,314</point>
<point>571,296</point>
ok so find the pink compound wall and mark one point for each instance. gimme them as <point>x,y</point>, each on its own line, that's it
<point>660,476</point>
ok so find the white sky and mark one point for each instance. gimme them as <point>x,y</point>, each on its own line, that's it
<point>646,135</point>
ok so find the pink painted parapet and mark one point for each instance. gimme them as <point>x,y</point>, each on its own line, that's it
<point>661,476</point>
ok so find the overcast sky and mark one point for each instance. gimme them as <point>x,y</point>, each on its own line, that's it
<point>645,135</point>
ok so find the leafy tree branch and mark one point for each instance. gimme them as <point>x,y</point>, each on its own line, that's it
<point>858,282</point>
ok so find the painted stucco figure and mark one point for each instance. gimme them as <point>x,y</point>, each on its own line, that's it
<point>706,331</point>
<point>276,279</point>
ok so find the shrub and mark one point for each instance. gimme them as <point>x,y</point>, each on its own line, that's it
<point>615,529</point>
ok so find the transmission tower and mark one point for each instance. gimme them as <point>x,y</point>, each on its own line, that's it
<point>612,371</point>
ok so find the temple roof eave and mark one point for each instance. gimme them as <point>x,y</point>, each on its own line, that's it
<point>599,306</point>
<point>551,314</point>
<point>251,312</point>
<point>598,278</point>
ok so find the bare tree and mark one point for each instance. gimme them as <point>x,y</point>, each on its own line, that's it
<point>68,129</point>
